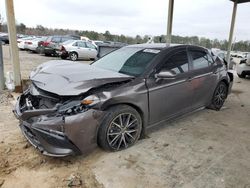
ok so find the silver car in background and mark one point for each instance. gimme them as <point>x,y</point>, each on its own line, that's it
<point>78,49</point>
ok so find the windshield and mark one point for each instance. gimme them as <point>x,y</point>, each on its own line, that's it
<point>128,60</point>
<point>67,42</point>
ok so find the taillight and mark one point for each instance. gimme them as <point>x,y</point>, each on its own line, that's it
<point>63,48</point>
<point>28,43</point>
<point>45,43</point>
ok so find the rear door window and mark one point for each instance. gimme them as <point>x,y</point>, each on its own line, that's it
<point>81,44</point>
<point>200,60</point>
<point>89,45</point>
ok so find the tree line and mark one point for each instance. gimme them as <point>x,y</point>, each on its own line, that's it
<point>40,30</point>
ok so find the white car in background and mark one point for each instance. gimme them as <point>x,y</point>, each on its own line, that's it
<point>243,68</point>
<point>78,49</point>
<point>32,44</point>
<point>21,42</point>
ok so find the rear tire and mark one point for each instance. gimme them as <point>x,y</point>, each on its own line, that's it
<point>120,128</point>
<point>73,56</point>
<point>242,75</point>
<point>63,57</point>
<point>219,97</point>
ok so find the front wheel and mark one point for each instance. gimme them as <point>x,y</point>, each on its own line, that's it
<point>219,97</point>
<point>73,56</point>
<point>120,129</point>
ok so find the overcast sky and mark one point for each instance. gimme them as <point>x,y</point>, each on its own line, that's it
<point>207,18</point>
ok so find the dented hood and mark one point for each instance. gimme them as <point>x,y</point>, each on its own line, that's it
<point>67,78</point>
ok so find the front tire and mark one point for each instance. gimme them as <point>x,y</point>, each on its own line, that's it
<point>120,129</point>
<point>219,97</point>
<point>73,56</point>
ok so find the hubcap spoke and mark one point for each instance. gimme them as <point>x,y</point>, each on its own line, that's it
<point>128,119</point>
<point>116,138</point>
<point>120,119</point>
<point>113,134</point>
<point>119,143</point>
<point>130,131</point>
<point>131,123</point>
<point>117,125</point>
<point>124,141</point>
<point>127,133</point>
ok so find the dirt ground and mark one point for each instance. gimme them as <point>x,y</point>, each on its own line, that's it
<point>207,149</point>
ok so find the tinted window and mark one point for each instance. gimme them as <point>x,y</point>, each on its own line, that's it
<point>89,45</point>
<point>177,63</point>
<point>81,44</point>
<point>65,39</point>
<point>200,60</point>
<point>56,39</point>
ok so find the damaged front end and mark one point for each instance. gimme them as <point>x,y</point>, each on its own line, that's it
<point>55,125</point>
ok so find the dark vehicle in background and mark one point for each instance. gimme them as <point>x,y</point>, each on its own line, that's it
<point>4,37</point>
<point>105,47</point>
<point>50,45</point>
<point>70,108</point>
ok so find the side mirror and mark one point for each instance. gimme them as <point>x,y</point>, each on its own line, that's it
<point>166,74</point>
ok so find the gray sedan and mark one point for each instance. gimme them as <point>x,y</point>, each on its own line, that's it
<point>71,108</point>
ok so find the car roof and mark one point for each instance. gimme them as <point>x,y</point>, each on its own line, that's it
<point>161,46</point>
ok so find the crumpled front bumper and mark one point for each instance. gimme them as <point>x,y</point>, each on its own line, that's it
<point>59,136</point>
<point>49,143</point>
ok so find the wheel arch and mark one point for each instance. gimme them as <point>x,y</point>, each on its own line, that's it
<point>225,81</point>
<point>74,52</point>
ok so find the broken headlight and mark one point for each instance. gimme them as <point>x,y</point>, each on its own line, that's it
<point>77,106</point>
<point>72,107</point>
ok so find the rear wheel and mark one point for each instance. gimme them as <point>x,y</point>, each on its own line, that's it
<point>219,97</point>
<point>73,56</point>
<point>63,57</point>
<point>120,129</point>
<point>242,75</point>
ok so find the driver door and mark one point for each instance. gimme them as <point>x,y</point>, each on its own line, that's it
<point>173,96</point>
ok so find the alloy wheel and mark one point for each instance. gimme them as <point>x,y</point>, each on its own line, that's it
<point>123,131</point>
<point>73,56</point>
<point>220,95</point>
